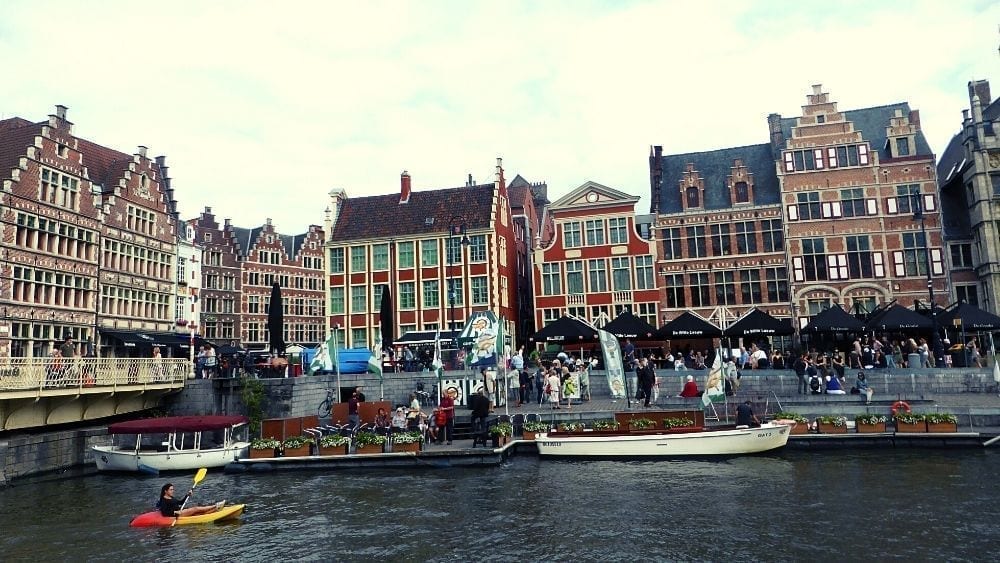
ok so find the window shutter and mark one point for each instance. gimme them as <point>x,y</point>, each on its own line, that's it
<point>891,205</point>
<point>837,209</point>
<point>897,262</point>
<point>937,266</point>
<point>879,264</point>
<point>818,156</point>
<point>831,266</point>
<point>863,154</point>
<point>842,266</point>
<point>832,152</point>
<point>872,205</point>
<point>929,204</point>
<point>827,210</point>
<point>798,270</point>
<point>793,213</point>
<point>789,162</point>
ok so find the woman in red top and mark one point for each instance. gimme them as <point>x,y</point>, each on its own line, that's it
<point>690,388</point>
<point>447,406</point>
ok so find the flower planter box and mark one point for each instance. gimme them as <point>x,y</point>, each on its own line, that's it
<point>261,454</point>
<point>911,427</point>
<point>411,447</point>
<point>800,428</point>
<point>300,451</point>
<point>333,450</point>
<point>528,435</point>
<point>827,428</point>
<point>369,449</point>
<point>500,441</point>
<point>877,428</point>
<point>942,427</point>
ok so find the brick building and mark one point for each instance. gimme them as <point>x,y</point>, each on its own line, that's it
<point>221,282</point>
<point>527,200</point>
<point>595,259</point>
<point>821,214</point>
<point>412,242</point>
<point>969,178</point>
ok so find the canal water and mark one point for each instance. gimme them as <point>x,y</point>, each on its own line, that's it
<point>826,506</point>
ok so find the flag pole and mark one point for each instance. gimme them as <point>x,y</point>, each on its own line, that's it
<point>336,362</point>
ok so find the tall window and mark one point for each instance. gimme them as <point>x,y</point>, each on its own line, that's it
<point>551,284</point>
<point>377,290</point>
<point>358,258</point>
<point>742,192</point>
<point>571,235</point>
<point>428,253</point>
<point>814,256</point>
<point>337,300</point>
<point>253,302</point>
<point>672,244</point>
<point>961,255</point>
<point>359,338</point>
<point>62,190</point>
<point>595,232</point>
<point>598,271</point>
<point>477,248</point>
<point>902,146</point>
<point>407,295</point>
<point>457,291</point>
<point>380,257</point>
<point>618,230</point>
<point>405,254</point>
<point>644,272</point>
<point>725,288</point>
<point>720,240</point>
<point>181,270</point>
<point>777,284</point>
<point>853,202</point>
<point>750,286</point>
<point>574,276</point>
<point>859,257</point>
<point>432,293</point>
<point>480,290</point>
<point>359,299</point>
<point>674,285</point>
<point>808,204</point>
<point>621,274</point>
<point>914,254</point>
<point>701,292</point>
<point>774,239</point>
<point>967,293</point>
<point>746,238</point>
<point>696,242</point>
<point>906,197</point>
<point>453,250</point>
<point>691,193</point>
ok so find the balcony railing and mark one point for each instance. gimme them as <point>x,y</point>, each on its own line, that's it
<point>88,375</point>
<point>621,297</point>
<point>576,299</point>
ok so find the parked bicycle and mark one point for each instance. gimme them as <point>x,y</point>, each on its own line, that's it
<point>325,409</point>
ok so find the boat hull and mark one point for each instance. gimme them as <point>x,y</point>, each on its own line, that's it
<point>154,518</point>
<point>728,442</point>
<point>109,458</point>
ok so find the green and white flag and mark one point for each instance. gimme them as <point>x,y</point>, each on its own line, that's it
<point>375,361</point>
<point>714,390</point>
<point>437,363</point>
<point>326,356</point>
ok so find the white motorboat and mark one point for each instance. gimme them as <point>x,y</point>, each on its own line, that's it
<point>174,443</point>
<point>723,441</point>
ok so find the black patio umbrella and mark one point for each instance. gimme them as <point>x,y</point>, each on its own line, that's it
<point>276,321</point>
<point>688,325</point>
<point>898,318</point>
<point>565,329</point>
<point>757,322</point>
<point>386,320</point>
<point>628,325</point>
<point>834,320</point>
<point>969,317</point>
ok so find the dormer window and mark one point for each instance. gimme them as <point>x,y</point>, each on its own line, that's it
<point>902,146</point>
<point>691,195</point>
<point>742,192</point>
<point>62,151</point>
<point>208,237</point>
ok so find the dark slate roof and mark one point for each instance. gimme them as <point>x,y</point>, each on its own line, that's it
<point>245,239</point>
<point>518,182</point>
<point>715,167</point>
<point>872,123</point>
<point>383,216</point>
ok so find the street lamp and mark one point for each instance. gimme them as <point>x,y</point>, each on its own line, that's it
<point>456,227</point>
<point>918,215</point>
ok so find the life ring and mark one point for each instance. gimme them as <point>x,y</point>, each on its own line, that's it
<point>900,405</point>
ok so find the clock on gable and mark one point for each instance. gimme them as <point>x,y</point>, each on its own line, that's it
<point>592,197</point>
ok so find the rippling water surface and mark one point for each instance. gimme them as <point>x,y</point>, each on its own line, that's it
<point>912,504</point>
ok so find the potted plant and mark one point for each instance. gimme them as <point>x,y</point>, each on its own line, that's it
<point>570,426</point>
<point>799,423</point>
<point>640,423</point>
<point>608,424</point>
<point>941,422</point>
<point>669,423</point>
<point>296,446</point>
<point>532,428</point>
<point>831,424</point>
<point>501,433</point>
<point>334,445</point>
<point>264,447</point>
<point>407,441</point>
<point>870,423</point>
<point>910,422</point>
<point>369,443</point>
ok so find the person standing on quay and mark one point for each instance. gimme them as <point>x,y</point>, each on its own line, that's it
<point>646,377</point>
<point>448,407</point>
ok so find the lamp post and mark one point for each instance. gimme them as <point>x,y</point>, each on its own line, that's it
<point>456,227</point>
<point>918,215</point>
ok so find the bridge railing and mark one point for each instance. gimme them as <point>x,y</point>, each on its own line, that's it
<point>21,374</point>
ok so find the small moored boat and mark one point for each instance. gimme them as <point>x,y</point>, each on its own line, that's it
<point>154,518</point>
<point>173,443</point>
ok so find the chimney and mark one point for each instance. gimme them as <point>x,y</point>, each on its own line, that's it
<point>980,88</point>
<point>404,187</point>
<point>61,112</point>
<point>469,183</point>
<point>142,151</point>
<point>777,137</point>
<point>208,210</point>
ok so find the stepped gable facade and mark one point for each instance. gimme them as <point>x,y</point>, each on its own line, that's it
<point>217,298</point>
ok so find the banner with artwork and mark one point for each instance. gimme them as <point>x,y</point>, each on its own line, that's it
<point>613,363</point>
<point>480,333</point>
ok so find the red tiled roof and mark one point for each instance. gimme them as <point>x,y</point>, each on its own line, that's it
<point>16,135</point>
<point>104,166</point>
<point>383,215</point>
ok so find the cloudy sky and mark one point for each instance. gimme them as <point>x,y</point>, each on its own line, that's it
<point>261,111</point>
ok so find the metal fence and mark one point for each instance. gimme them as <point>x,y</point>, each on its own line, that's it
<point>20,374</point>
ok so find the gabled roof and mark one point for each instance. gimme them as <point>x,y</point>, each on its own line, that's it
<point>16,135</point>
<point>872,123</point>
<point>104,166</point>
<point>605,195</point>
<point>245,239</point>
<point>715,167</point>
<point>382,216</point>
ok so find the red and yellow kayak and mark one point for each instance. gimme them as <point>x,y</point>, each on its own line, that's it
<point>154,518</point>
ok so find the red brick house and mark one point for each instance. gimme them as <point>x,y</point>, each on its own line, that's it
<point>220,288</point>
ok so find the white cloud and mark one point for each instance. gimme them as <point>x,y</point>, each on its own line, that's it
<point>261,110</point>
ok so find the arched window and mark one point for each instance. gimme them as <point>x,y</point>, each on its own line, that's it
<point>692,197</point>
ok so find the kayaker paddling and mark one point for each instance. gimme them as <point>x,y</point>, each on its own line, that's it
<point>172,507</point>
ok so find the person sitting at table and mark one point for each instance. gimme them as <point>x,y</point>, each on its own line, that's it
<point>690,388</point>
<point>382,419</point>
<point>399,419</point>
